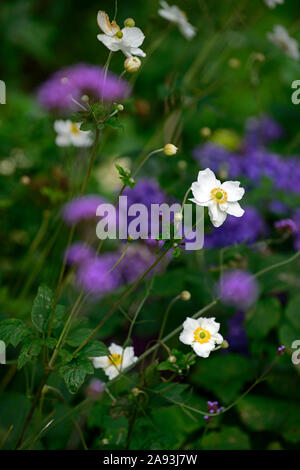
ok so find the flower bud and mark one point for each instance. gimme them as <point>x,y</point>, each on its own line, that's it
<point>129,22</point>
<point>105,442</point>
<point>234,63</point>
<point>132,64</point>
<point>225,344</point>
<point>172,359</point>
<point>170,150</point>
<point>25,180</point>
<point>185,295</point>
<point>205,131</point>
<point>120,107</point>
<point>136,391</point>
<point>85,98</point>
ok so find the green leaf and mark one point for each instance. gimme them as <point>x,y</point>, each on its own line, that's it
<point>280,416</point>
<point>293,312</point>
<point>41,309</point>
<point>224,375</point>
<point>77,337</point>
<point>229,438</point>
<point>94,349</point>
<point>29,351</point>
<point>65,355</point>
<point>74,373</point>
<point>50,343</point>
<point>12,331</point>
<point>263,318</point>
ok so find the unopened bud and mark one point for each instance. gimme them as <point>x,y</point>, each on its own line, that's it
<point>105,441</point>
<point>185,295</point>
<point>129,239</point>
<point>136,391</point>
<point>170,150</point>
<point>225,344</point>
<point>172,359</point>
<point>129,22</point>
<point>120,107</point>
<point>205,131</point>
<point>132,64</point>
<point>85,98</point>
<point>25,180</point>
<point>234,63</point>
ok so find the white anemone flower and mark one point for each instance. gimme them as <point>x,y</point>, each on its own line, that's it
<point>69,133</point>
<point>115,39</point>
<point>202,334</point>
<point>177,16</point>
<point>281,38</point>
<point>221,199</point>
<point>118,360</point>
<point>273,3</point>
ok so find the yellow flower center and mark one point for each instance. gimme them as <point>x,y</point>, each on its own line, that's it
<point>219,195</point>
<point>115,359</point>
<point>201,335</point>
<point>74,128</point>
<point>119,34</point>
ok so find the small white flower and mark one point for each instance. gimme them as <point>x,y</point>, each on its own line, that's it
<point>115,39</point>
<point>175,15</point>
<point>69,133</point>
<point>281,38</point>
<point>202,334</point>
<point>132,64</point>
<point>273,3</point>
<point>118,360</point>
<point>221,199</point>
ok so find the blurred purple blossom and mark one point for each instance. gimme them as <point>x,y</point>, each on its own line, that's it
<point>77,80</point>
<point>79,252</point>
<point>236,336</point>
<point>238,288</point>
<point>286,225</point>
<point>261,130</point>
<point>94,275</point>
<point>81,208</point>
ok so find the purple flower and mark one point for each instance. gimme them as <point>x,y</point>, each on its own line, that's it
<point>245,229</point>
<point>238,288</point>
<point>286,225</point>
<point>81,208</point>
<point>261,131</point>
<point>135,262</point>
<point>94,388</point>
<point>219,159</point>
<point>237,337</point>
<point>281,350</point>
<point>77,80</point>
<point>78,253</point>
<point>94,275</point>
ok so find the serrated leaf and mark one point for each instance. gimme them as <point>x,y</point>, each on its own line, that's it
<point>29,351</point>
<point>94,349</point>
<point>74,373</point>
<point>41,309</point>
<point>65,355</point>
<point>12,331</point>
<point>77,337</point>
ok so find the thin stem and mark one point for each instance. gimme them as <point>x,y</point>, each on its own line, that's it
<point>164,322</point>
<point>145,160</point>
<point>278,265</point>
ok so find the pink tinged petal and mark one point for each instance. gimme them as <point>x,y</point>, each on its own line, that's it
<point>134,37</point>
<point>233,190</point>
<point>109,28</point>
<point>217,216</point>
<point>109,42</point>
<point>207,180</point>
<point>235,209</point>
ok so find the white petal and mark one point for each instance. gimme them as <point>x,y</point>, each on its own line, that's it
<point>210,325</point>
<point>133,36</point>
<point>109,28</point>
<point>217,216</point>
<point>115,349</point>
<point>202,350</point>
<point>207,180</point>
<point>112,372</point>
<point>63,140</point>
<point>186,337</point>
<point>200,193</point>
<point>61,127</point>
<point>128,357</point>
<point>187,30</point>
<point>235,209</point>
<point>202,204</point>
<point>190,324</point>
<point>218,338</point>
<point>101,362</point>
<point>111,43</point>
<point>234,192</point>
<point>137,51</point>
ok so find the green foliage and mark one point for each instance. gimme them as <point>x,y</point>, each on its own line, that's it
<point>13,331</point>
<point>74,373</point>
<point>125,176</point>
<point>263,318</point>
<point>42,307</point>
<point>228,438</point>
